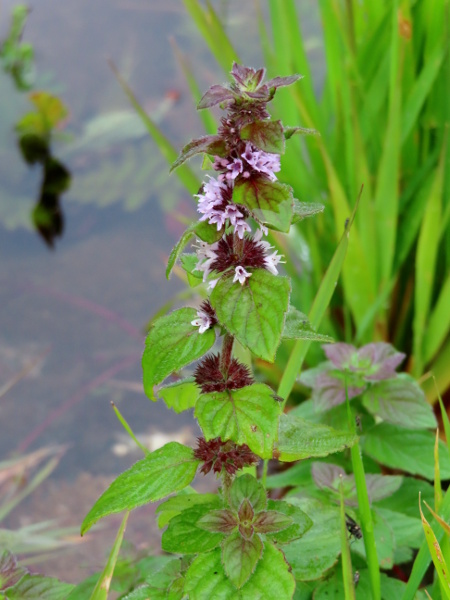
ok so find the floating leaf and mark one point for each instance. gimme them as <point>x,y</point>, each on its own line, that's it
<point>253,312</point>
<point>245,416</point>
<point>240,557</point>
<point>299,439</point>
<point>270,201</point>
<point>298,327</point>
<point>180,395</point>
<point>172,343</point>
<point>162,472</point>
<point>265,135</point>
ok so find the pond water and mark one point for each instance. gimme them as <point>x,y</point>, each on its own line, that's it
<point>76,313</point>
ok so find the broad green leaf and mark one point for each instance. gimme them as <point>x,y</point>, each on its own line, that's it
<point>299,439</point>
<point>303,210</point>
<point>253,312</point>
<point>209,144</point>
<point>318,550</point>
<point>180,395</point>
<point>436,554</point>
<point>247,487</point>
<point>162,472</point>
<point>206,578</point>
<point>37,587</point>
<point>172,343</point>
<point>240,557</point>
<point>208,233</point>
<point>301,522</point>
<point>175,505</point>
<point>265,135</point>
<point>246,416</point>
<point>399,401</point>
<point>270,201</point>
<point>407,530</point>
<point>298,327</point>
<point>400,501</point>
<point>178,249</point>
<point>101,590</point>
<point>183,536</point>
<point>409,450</point>
<point>166,584</point>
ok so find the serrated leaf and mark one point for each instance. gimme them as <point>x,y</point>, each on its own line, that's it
<point>178,248</point>
<point>301,523</point>
<point>183,536</point>
<point>240,557</point>
<point>172,343</point>
<point>215,95</point>
<point>270,201</point>
<point>406,449</point>
<point>206,578</point>
<point>290,131</point>
<point>219,521</point>
<point>271,521</point>
<point>209,144</point>
<point>248,488</point>
<point>303,210</point>
<point>245,416</point>
<point>253,312</point>
<point>265,135</point>
<point>37,587</point>
<point>299,439</point>
<point>162,472</point>
<point>189,263</point>
<point>180,395</point>
<point>399,401</point>
<point>297,327</point>
<point>174,506</point>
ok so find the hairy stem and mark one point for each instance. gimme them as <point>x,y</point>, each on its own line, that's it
<point>226,354</point>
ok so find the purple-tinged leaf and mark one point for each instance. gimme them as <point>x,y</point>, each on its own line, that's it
<point>277,82</point>
<point>374,361</point>
<point>240,557</point>
<point>301,523</point>
<point>246,512</point>
<point>248,488</point>
<point>215,95</point>
<point>340,354</point>
<point>246,530</point>
<point>270,201</point>
<point>208,144</point>
<point>290,131</point>
<point>327,475</point>
<point>271,521</point>
<point>400,401</point>
<point>330,389</point>
<point>10,572</point>
<point>219,521</point>
<point>247,78</point>
<point>262,93</point>
<point>184,535</point>
<point>265,135</point>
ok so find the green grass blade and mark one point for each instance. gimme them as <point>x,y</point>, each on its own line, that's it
<point>206,116</point>
<point>128,429</point>
<point>320,304</point>
<point>347,575</point>
<point>441,372</point>
<point>438,324</point>
<point>436,554</point>
<point>426,257</point>
<point>184,173</point>
<point>437,475</point>
<point>444,416</point>
<point>103,584</point>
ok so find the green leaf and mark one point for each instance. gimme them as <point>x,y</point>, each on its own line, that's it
<point>189,263</point>
<point>208,233</point>
<point>271,521</point>
<point>173,343</point>
<point>240,557</point>
<point>37,587</point>
<point>299,439</point>
<point>174,506</point>
<point>246,416</point>
<point>178,248</point>
<point>301,522</point>
<point>407,530</point>
<point>183,536</point>
<point>290,131</point>
<point>248,488</point>
<point>318,550</point>
<point>180,395</point>
<point>400,401</point>
<point>101,589</point>
<point>162,472</point>
<point>270,201</point>
<point>253,312</point>
<point>303,210</point>
<point>219,521</point>
<point>206,578</point>
<point>265,135</point>
<point>209,144</point>
<point>409,450</point>
<point>297,327</point>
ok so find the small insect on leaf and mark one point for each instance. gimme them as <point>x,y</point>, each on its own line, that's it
<point>353,528</point>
